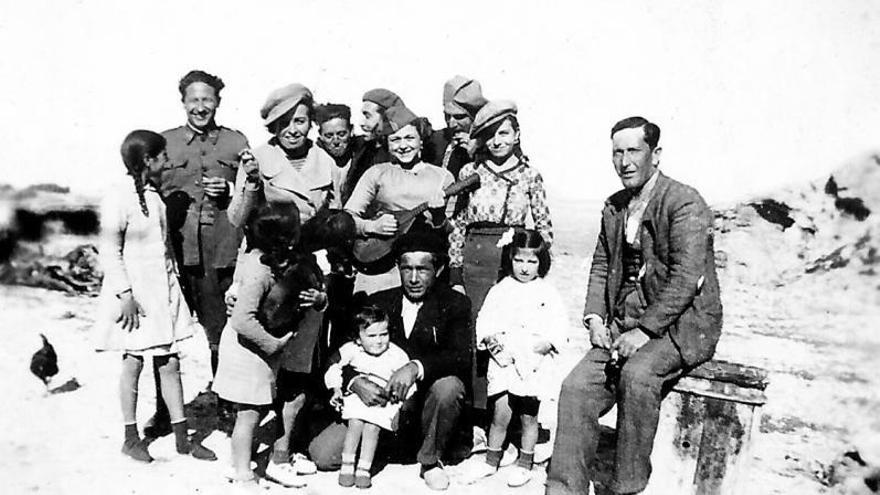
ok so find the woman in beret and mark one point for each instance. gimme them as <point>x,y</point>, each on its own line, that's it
<point>289,169</point>
<point>511,194</point>
<point>400,184</point>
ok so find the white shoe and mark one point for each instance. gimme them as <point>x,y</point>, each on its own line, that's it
<point>480,442</point>
<point>477,471</point>
<point>510,456</point>
<point>543,451</point>
<point>284,474</point>
<point>302,465</point>
<point>519,476</point>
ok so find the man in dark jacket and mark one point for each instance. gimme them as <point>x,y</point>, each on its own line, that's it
<point>653,311</point>
<point>432,323</point>
<point>452,147</point>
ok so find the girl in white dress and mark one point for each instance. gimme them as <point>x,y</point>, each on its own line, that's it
<point>142,311</point>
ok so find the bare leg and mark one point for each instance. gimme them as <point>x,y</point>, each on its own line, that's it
<point>529,432</point>
<point>242,442</point>
<point>172,389</point>
<point>349,451</point>
<point>369,440</point>
<point>128,387</point>
<point>500,422</point>
<point>289,412</point>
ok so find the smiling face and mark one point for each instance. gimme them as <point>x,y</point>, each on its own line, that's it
<point>374,338</point>
<point>200,102</point>
<point>502,143</point>
<point>525,265</point>
<point>405,145</point>
<point>417,274</point>
<point>634,161</point>
<point>336,135</point>
<point>372,123</point>
<point>293,136</point>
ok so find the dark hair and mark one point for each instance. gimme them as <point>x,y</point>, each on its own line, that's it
<point>136,147</point>
<point>201,76</point>
<point>481,154</point>
<point>367,315</point>
<point>528,239</point>
<point>330,111</point>
<point>274,229</point>
<point>284,121</point>
<point>651,130</point>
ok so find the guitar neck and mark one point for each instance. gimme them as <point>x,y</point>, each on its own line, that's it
<point>453,190</point>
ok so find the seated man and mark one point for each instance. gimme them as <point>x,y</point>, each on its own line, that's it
<point>432,323</point>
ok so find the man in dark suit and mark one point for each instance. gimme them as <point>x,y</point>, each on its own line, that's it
<point>452,147</point>
<point>432,323</point>
<point>653,311</point>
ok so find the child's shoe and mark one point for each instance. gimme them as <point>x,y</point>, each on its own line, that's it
<point>510,455</point>
<point>284,474</point>
<point>346,480</point>
<point>137,451</point>
<point>519,476</point>
<point>187,447</point>
<point>477,471</point>
<point>362,479</point>
<point>302,465</point>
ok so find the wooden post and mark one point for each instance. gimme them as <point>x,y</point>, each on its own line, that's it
<point>703,441</point>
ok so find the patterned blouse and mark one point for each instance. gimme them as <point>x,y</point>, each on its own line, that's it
<point>523,188</point>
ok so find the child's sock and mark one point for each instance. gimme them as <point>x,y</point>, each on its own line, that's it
<point>184,446</point>
<point>347,464</point>
<point>131,433</point>
<point>525,459</point>
<point>493,457</point>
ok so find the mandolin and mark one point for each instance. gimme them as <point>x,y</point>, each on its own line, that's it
<point>370,249</point>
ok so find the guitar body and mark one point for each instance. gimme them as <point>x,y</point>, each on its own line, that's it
<point>372,253</point>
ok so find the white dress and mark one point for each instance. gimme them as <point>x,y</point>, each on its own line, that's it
<point>135,254</point>
<point>379,370</point>
<point>521,315</point>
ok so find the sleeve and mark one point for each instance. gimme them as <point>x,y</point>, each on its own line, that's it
<point>690,230</point>
<point>595,302</point>
<point>362,197</point>
<point>255,282</point>
<point>455,345</point>
<point>539,208</point>
<point>114,221</point>
<point>339,359</point>
<point>245,196</point>
<point>492,314</point>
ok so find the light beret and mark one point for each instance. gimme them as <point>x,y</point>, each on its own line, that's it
<point>491,113</point>
<point>462,95</point>
<point>282,100</point>
<point>383,97</point>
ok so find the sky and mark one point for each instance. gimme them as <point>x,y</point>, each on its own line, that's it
<point>750,95</point>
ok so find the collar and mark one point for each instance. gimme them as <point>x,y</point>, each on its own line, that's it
<point>190,133</point>
<point>341,161</point>
<point>415,169</point>
<point>512,163</point>
<point>644,194</point>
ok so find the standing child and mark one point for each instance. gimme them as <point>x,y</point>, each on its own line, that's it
<point>520,323</point>
<point>143,312</point>
<point>249,356</point>
<point>374,356</point>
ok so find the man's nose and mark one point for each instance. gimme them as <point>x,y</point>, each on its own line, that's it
<point>413,278</point>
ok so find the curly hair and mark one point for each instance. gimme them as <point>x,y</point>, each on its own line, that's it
<point>201,76</point>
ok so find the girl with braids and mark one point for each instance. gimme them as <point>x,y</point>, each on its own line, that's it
<point>142,311</point>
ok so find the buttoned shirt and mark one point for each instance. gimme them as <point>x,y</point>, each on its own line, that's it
<point>191,156</point>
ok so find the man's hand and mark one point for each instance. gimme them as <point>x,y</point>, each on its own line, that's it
<point>600,335</point>
<point>630,342</point>
<point>401,381</point>
<point>215,187</point>
<point>369,393</point>
<point>312,298</point>
<point>130,312</point>
<point>230,297</point>
<point>384,225</point>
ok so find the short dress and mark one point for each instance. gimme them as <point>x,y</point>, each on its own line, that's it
<point>136,255</point>
<point>376,368</point>
<point>246,372</point>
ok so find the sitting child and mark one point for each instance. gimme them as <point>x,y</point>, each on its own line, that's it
<point>375,357</point>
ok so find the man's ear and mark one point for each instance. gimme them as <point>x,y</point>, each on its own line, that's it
<point>655,155</point>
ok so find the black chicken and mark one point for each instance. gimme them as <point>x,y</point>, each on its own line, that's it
<point>44,363</point>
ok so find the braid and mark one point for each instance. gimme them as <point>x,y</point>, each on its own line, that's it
<point>139,187</point>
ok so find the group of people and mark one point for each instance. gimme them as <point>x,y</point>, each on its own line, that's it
<point>383,288</point>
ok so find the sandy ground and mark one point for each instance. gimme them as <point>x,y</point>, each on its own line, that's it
<point>817,337</point>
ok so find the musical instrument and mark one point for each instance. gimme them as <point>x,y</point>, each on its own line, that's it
<point>371,249</point>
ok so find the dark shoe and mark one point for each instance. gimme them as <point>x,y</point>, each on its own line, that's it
<point>198,451</point>
<point>346,480</point>
<point>137,451</point>
<point>362,480</point>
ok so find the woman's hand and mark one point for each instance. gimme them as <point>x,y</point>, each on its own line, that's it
<point>384,225</point>
<point>312,298</point>
<point>130,312</point>
<point>336,399</point>
<point>231,297</point>
<point>248,162</point>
